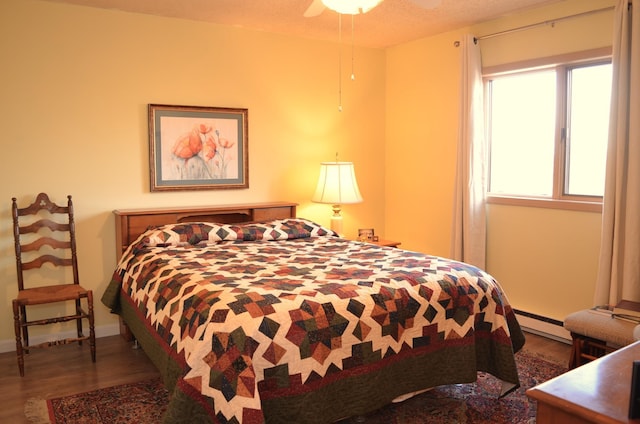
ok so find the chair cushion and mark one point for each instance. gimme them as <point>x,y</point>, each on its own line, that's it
<point>49,294</point>
<point>590,323</point>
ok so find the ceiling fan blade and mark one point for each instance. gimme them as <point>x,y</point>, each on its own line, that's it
<point>314,9</point>
<point>427,4</point>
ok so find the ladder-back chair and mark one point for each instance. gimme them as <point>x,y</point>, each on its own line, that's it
<point>44,233</point>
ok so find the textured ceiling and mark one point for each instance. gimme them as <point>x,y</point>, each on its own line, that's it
<point>390,23</point>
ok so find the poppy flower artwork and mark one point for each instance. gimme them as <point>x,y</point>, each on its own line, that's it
<point>196,147</point>
<point>201,154</point>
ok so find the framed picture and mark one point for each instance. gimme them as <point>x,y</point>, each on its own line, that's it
<point>365,234</point>
<point>198,148</point>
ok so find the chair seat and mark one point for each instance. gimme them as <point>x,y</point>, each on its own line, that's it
<point>589,323</point>
<point>48,294</point>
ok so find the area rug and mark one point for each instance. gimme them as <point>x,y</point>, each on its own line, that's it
<point>145,402</point>
<point>476,403</point>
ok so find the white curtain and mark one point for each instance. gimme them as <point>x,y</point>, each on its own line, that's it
<point>619,266</point>
<point>468,242</point>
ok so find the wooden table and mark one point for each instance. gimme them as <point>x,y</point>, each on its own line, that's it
<point>597,392</point>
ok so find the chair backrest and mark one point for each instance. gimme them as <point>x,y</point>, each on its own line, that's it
<point>44,223</point>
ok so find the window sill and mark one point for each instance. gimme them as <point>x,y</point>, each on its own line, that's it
<point>571,205</point>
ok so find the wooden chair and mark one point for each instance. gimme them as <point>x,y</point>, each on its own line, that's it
<point>45,233</point>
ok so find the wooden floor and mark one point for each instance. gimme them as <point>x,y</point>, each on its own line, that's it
<point>65,370</point>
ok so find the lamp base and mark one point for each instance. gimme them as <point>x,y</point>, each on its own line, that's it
<point>336,220</point>
<point>336,224</point>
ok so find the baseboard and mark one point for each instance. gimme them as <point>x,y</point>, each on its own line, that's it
<point>9,345</point>
<point>543,326</point>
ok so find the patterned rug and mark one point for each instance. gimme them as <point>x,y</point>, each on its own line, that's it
<point>145,402</point>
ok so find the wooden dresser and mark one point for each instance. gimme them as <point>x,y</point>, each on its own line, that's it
<point>597,392</point>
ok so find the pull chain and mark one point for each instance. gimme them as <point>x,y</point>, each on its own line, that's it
<point>353,75</point>
<point>339,62</point>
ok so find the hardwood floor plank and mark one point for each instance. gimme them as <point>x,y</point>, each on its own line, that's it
<point>67,369</point>
<point>548,348</point>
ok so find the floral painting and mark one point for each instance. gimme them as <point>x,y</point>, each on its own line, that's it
<point>195,147</point>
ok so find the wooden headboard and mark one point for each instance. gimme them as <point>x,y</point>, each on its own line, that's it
<point>130,223</point>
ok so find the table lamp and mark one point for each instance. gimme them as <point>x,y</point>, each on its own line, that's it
<point>337,186</point>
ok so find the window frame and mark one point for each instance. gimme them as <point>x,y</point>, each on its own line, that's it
<point>558,199</point>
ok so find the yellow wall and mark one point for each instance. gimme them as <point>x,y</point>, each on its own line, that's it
<point>76,82</point>
<point>422,119</point>
<point>545,259</point>
<point>75,85</point>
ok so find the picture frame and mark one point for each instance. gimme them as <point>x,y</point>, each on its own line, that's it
<point>198,148</point>
<point>366,234</point>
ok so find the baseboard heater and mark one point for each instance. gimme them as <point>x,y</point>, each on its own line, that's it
<point>543,326</point>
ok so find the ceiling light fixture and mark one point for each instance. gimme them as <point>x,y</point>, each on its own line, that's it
<point>351,7</point>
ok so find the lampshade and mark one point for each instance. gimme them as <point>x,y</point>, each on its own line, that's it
<point>351,7</point>
<point>337,185</point>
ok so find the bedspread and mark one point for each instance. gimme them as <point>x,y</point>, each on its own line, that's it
<point>261,311</point>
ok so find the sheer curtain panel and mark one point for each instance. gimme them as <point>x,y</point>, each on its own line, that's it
<point>468,242</point>
<point>619,265</point>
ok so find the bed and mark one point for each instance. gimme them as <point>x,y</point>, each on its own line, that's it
<point>254,315</point>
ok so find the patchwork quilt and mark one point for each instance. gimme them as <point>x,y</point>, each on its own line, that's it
<point>263,311</point>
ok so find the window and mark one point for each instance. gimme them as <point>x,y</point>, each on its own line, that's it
<point>548,130</point>
<point>589,94</point>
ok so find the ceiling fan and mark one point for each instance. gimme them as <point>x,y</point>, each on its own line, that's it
<point>358,6</point>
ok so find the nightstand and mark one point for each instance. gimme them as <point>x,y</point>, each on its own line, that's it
<point>388,243</point>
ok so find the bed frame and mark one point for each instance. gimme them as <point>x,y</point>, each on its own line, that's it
<point>130,223</point>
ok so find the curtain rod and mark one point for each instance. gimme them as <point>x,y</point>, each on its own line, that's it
<point>549,22</point>
<point>537,24</point>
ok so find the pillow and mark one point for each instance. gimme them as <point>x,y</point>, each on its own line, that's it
<point>292,225</point>
<point>177,234</point>
<point>192,233</point>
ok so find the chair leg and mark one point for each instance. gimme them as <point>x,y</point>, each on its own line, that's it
<point>580,345</point>
<point>79,321</point>
<point>25,328</point>
<point>92,332</point>
<point>16,325</point>
<point>574,357</point>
